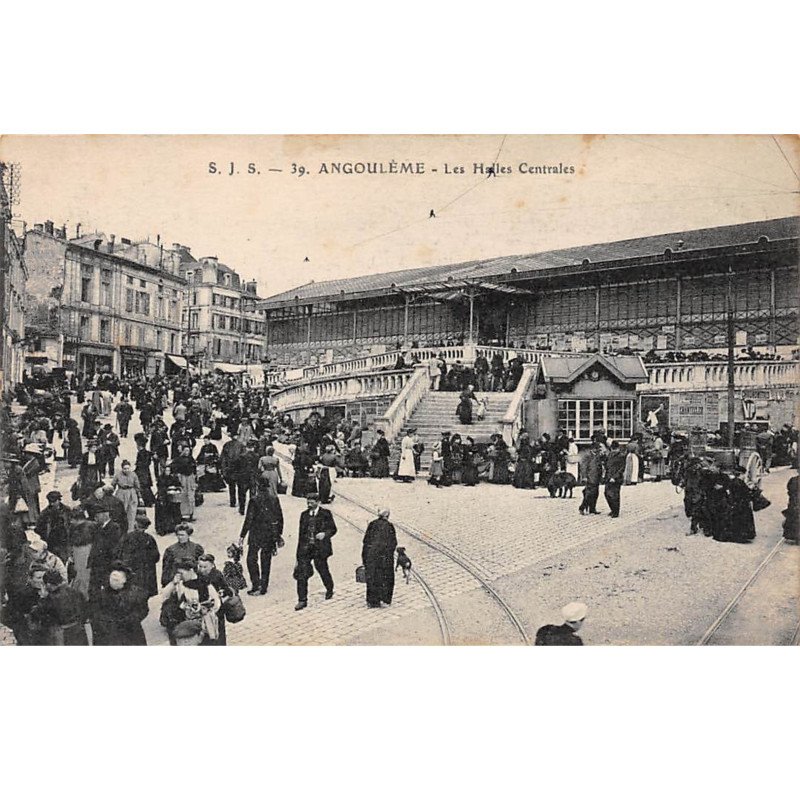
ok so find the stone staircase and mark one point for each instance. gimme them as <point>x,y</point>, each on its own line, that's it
<point>436,412</point>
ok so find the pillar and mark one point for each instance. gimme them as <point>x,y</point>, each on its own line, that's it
<point>597,317</point>
<point>678,330</point>
<point>773,333</point>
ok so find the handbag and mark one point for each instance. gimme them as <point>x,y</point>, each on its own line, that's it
<point>304,570</point>
<point>759,501</point>
<point>282,487</point>
<point>198,498</point>
<point>361,574</point>
<point>234,609</point>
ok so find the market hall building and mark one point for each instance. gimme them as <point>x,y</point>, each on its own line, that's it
<point>662,293</point>
<point>567,314</point>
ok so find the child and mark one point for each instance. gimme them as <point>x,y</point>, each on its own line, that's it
<point>480,411</point>
<point>435,478</point>
<point>232,570</point>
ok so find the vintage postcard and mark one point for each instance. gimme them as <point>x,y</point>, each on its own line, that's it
<point>400,390</point>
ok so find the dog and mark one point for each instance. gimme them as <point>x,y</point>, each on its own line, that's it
<point>561,483</point>
<point>404,563</point>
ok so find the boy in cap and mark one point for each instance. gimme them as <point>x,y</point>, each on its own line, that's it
<point>566,634</point>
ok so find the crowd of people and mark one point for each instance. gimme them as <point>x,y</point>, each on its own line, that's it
<point>85,570</point>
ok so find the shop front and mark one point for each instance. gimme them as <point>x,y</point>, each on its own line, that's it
<point>133,362</point>
<point>95,359</point>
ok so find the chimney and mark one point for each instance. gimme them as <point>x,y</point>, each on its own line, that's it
<point>48,227</point>
<point>24,227</point>
<point>111,239</point>
<point>64,231</point>
<point>78,231</point>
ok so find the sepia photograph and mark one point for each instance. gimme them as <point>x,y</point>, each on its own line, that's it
<point>400,390</point>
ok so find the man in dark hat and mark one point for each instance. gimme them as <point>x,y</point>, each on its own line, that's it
<point>314,547</point>
<point>124,412</point>
<point>594,476</point>
<point>102,498</point>
<point>615,474</point>
<point>53,526</point>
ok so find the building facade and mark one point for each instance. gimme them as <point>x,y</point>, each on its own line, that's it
<point>224,325</point>
<point>100,306</point>
<point>664,293</point>
<point>13,274</point>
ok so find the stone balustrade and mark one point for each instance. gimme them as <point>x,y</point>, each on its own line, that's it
<point>466,354</point>
<point>512,421</point>
<point>709,376</point>
<point>340,389</point>
<point>404,405</point>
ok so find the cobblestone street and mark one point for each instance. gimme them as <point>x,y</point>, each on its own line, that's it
<point>644,580</point>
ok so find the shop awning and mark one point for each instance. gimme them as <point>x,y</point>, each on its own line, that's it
<point>230,369</point>
<point>178,361</point>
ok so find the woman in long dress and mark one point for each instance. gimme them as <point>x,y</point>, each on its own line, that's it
<point>456,459</point>
<point>658,469</point>
<point>142,469</point>
<point>469,474</point>
<point>185,468</point>
<point>168,509</point>
<point>327,472</point>
<point>573,458</point>
<point>380,457</point>
<point>631,477</point>
<point>499,455</point>
<point>524,476</point>
<point>464,411</point>
<point>127,489</point>
<point>90,469</point>
<point>405,469</point>
<point>73,442</point>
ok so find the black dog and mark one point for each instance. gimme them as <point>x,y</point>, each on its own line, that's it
<point>561,483</point>
<point>404,562</point>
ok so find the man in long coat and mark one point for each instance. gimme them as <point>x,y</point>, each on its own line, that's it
<point>314,547</point>
<point>104,551</point>
<point>263,527</point>
<point>594,475</point>
<point>377,556</point>
<point>615,473</point>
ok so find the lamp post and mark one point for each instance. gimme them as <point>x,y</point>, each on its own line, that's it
<point>731,378</point>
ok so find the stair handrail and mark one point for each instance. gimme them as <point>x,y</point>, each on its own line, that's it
<point>406,402</point>
<point>512,420</point>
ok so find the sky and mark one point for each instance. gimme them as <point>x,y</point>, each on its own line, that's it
<point>267,222</point>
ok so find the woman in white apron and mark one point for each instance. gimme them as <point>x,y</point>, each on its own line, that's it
<point>573,459</point>
<point>632,464</point>
<point>405,469</point>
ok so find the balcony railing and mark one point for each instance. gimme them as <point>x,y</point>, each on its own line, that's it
<point>466,354</point>
<point>704,376</point>
<point>340,389</point>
